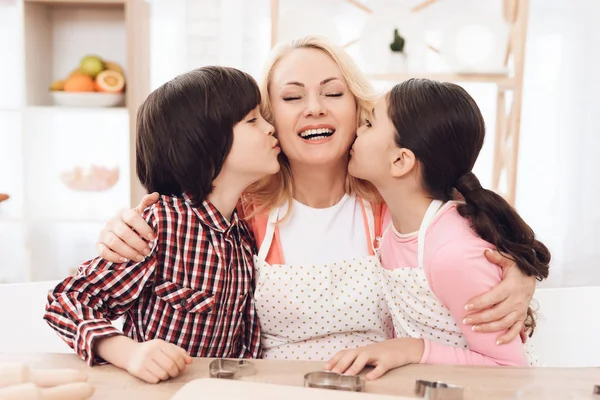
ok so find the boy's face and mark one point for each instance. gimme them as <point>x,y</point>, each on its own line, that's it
<point>254,150</point>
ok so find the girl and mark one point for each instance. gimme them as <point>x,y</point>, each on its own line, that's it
<point>418,149</point>
<point>201,140</point>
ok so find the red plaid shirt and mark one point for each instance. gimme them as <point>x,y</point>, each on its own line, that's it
<point>194,290</point>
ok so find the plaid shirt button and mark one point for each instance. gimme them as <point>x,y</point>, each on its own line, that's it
<point>183,303</point>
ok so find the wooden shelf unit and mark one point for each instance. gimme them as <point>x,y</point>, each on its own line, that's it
<point>129,16</point>
<point>46,224</point>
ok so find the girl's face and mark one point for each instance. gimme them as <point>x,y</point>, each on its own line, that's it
<point>314,111</point>
<point>254,150</point>
<point>374,152</point>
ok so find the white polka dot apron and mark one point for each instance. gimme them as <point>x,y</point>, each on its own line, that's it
<point>310,312</point>
<point>416,311</point>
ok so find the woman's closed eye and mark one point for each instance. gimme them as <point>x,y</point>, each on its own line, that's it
<point>297,97</point>
<point>368,123</point>
<point>252,120</point>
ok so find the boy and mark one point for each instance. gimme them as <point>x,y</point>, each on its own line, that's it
<point>201,141</point>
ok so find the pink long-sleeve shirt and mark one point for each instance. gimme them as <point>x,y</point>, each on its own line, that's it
<point>457,271</point>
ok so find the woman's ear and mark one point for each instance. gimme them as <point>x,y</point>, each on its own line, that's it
<point>403,162</point>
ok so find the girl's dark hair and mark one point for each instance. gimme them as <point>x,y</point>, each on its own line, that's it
<point>443,126</point>
<point>185,129</point>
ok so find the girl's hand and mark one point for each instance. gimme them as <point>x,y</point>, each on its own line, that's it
<point>383,356</point>
<point>505,306</point>
<point>124,236</point>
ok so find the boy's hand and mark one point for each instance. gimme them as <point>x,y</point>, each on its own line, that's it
<point>156,360</point>
<point>383,356</point>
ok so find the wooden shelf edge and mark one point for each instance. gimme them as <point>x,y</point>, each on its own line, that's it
<point>63,109</point>
<point>80,2</point>
<point>499,79</point>
<point>30,222</point>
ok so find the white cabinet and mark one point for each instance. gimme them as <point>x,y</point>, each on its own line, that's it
<point>14,254</point>
<point>11,165</point>
<point>64,147</point>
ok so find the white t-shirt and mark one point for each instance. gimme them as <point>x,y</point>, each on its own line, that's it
<point>323,235</point>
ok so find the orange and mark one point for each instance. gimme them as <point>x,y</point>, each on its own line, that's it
<point>79,83</point>
<point>110,81</point>
<point>76,71</point>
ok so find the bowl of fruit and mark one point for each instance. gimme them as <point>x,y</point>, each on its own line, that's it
<point>94,83</point>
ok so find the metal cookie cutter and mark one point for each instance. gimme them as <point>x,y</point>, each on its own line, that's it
<point>596,389</point>
<point>438,390</point>
<point>335,381</point>
<point>231,369</point>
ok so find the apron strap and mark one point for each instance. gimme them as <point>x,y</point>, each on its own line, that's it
<point>370,225</point>
<point>269,234</point>
<point>429,215</point>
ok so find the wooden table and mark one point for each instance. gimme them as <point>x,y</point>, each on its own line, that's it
<point>480,382</point>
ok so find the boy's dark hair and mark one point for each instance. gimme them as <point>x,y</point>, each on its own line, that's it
<point>443,126</point>
<point>185,129</point>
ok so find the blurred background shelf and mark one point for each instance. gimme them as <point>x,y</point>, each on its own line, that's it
<point>478,40</point>
<point>89,111</point>
<point>503,80</point>
<point>59,34</point>
<point>80,2</point>
<point>67,169</point>
<point>11,78</point>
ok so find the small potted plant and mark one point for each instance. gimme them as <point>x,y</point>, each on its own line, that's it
<point>398,44</point>
<point>397,56</point>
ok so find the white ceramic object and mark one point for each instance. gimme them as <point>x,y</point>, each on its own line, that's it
<point>378,34</point>
<point>91,179</point>
<point>88,99</point>
<point>475,43</point>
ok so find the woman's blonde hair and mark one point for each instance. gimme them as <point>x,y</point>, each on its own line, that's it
<point>275,190</point>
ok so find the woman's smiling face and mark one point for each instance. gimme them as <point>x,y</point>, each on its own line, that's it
<point>314,112</point>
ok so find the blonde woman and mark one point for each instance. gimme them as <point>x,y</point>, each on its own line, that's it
<point>316,228</point>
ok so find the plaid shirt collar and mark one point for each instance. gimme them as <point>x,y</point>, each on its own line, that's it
<point>210,216</point>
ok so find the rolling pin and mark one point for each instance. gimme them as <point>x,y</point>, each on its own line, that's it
<point>3,197</point>
<point>18,373</point>
<point>29,391</point>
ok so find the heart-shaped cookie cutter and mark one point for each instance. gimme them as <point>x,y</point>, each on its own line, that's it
<point>438,390</point>
<point>334,381</point>
<point>231,368</point>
